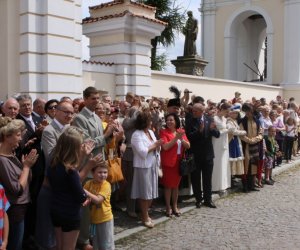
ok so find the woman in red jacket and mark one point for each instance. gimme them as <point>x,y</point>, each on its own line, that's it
<point>174,141</point>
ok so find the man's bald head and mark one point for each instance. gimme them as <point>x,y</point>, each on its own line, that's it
<point>39,106</point>
<point>11,108</point>
<point>198,110</point>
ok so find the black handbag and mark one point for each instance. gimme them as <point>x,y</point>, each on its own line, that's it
<point>187,163</point>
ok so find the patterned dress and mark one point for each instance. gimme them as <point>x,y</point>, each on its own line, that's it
<point>236,156</point>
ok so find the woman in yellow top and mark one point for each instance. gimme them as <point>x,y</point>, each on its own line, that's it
<point>102,223</point>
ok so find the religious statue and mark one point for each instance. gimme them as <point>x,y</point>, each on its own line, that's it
<point>190,31</point>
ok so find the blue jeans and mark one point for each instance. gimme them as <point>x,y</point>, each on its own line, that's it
<point>15,237</point>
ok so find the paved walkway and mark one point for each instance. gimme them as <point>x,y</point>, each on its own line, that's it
<point>269,219</point>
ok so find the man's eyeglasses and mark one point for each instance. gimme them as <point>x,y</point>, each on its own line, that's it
<point>66,112</point>
<point>52,107</point>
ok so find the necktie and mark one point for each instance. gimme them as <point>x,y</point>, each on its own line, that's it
<point>200,121</point>
<point>32,124</point>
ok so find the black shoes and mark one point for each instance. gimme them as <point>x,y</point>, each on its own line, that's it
<point>269,182</point>
<point>209,204</point>
<point>205,203</point>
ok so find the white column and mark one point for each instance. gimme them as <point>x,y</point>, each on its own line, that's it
<point>208,10</point>
<point>125,41</point>
<point>9,48</point>
<point>50,49</point>
<point>270,52</point>
<point>291,61</point>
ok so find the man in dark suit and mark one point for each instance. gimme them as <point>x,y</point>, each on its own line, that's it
<point>199,130</point>
<point>31,140</point>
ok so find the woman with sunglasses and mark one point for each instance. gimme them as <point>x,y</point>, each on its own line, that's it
<point>50,109</point>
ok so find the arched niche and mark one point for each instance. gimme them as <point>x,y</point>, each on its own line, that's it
<point>244,41</point>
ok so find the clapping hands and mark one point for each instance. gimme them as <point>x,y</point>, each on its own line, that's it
<point>213,125</point>
<point>111,127</point>
<point>95,161</point>
<point>87,147</point>
<point>30,159</point>
<point>179,134</point>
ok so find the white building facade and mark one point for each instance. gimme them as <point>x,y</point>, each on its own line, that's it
<point>40,48</point>
<point>263,35</point>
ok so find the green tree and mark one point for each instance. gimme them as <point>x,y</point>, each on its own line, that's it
<point>167,11</point>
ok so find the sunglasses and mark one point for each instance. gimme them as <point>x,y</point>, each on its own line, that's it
<point>52,107</point>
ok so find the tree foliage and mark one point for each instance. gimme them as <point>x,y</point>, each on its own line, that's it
<point>170,12</point>
<point>160,62</point>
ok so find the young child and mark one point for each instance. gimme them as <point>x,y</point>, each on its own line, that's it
<point>271,146</point>
<point>4,205</point>
<point>289,138</point>
<point>102,224</point>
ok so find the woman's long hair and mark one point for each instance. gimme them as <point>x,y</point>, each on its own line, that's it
<point>67,149</point>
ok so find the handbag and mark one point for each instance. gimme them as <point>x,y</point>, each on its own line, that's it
<point>114,170</point>
<point>158,164</point>
<point>160,172</point>
<point>187,163</point>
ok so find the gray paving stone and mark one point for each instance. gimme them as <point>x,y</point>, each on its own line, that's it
<point>269,219</point>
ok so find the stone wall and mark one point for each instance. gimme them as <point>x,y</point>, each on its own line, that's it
<point>208,88</point>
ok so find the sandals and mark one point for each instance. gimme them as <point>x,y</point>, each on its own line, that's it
<point>148,223</point>
<point>169,213</point>
<point>177,213</point>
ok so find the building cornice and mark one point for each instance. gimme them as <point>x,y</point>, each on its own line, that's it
<point>113,3</point>
<point>125,13</point>
<point>290,2</point>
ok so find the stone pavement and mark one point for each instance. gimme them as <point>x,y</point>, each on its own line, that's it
<point>269,219</point>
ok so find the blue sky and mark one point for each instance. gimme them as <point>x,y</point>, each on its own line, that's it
<point>173,51</point>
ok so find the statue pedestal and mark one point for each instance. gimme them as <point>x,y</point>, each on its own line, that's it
<point>190,65</point>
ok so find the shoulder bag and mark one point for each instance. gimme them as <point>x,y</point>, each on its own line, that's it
<point>187,163</point>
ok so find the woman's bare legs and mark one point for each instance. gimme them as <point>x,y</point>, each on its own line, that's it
<point>167,193</point>
<point>69,239</point>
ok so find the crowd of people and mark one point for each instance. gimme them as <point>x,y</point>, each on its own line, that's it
<point>53,159</point>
